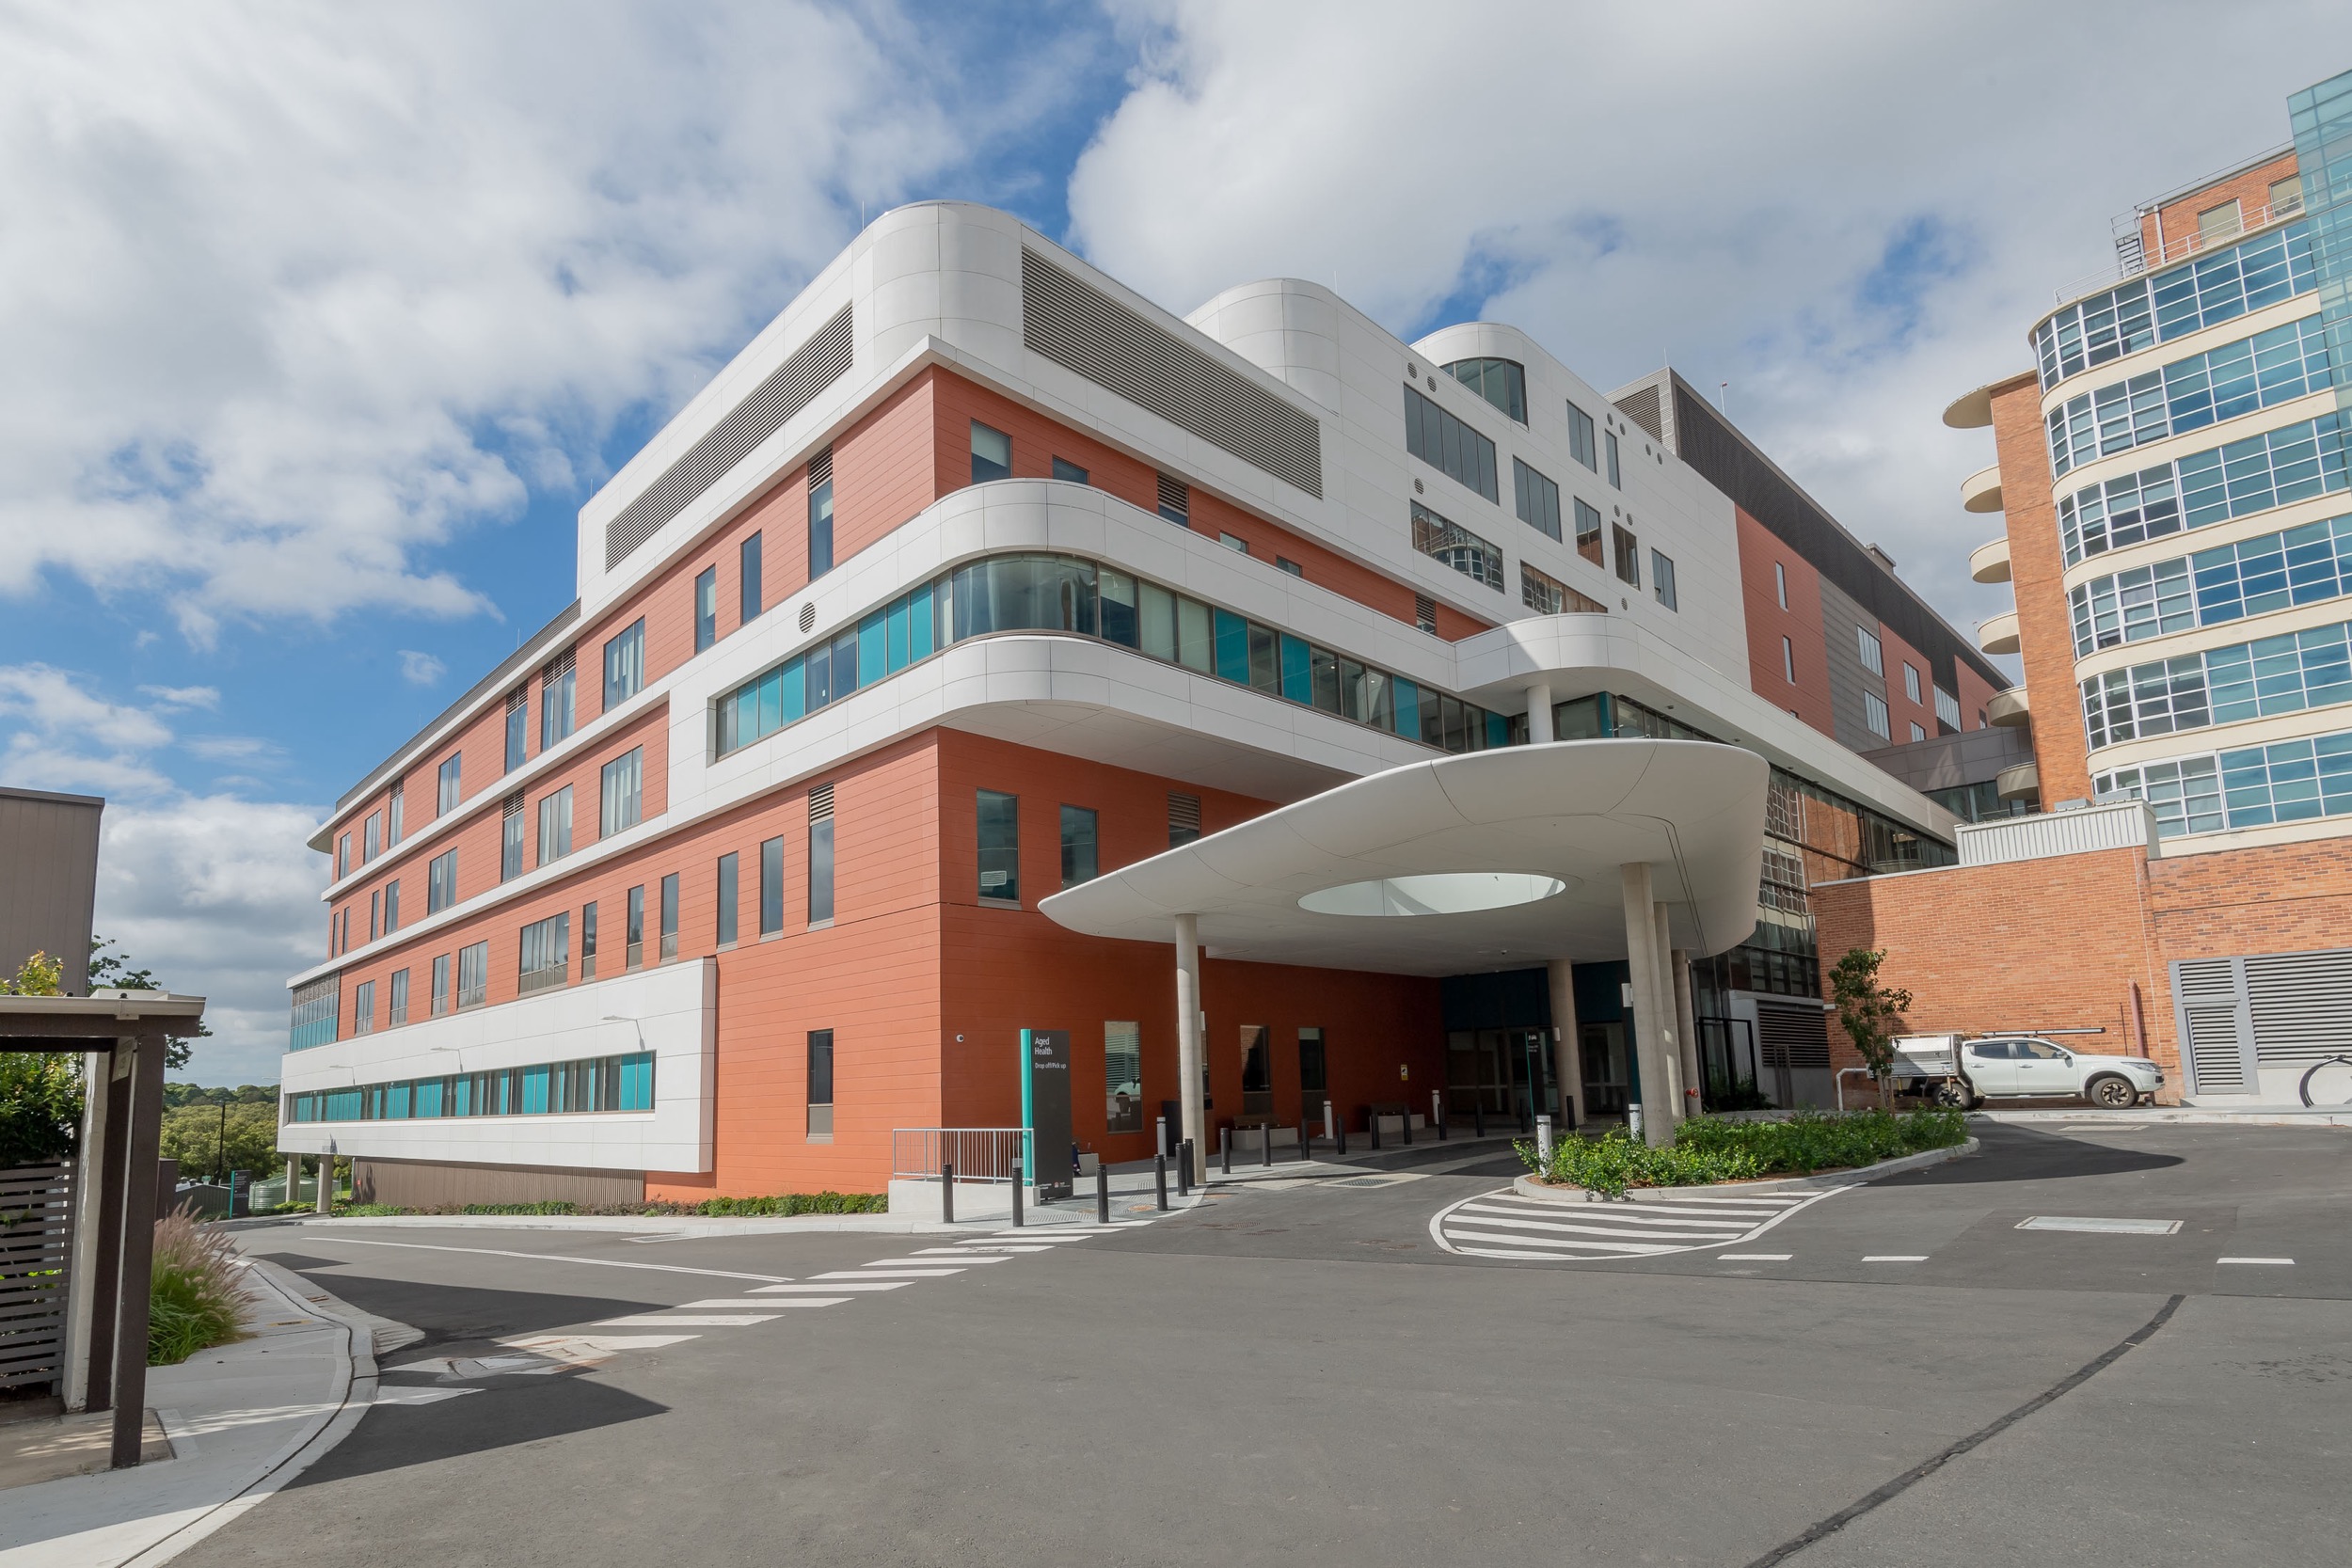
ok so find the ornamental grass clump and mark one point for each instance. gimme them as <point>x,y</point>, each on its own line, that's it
<point>1708,1149</point>
<point>194,1300</point>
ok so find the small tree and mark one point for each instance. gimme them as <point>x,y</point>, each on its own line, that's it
<point>1872,1014</point>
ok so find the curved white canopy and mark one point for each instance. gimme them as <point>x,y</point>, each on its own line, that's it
<point>1575,811</point>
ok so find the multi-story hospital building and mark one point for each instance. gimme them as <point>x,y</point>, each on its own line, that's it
<point>1284,712</point>
<point>2172,471</point>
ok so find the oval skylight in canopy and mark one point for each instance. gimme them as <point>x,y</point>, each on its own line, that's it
<point>1435,892</point>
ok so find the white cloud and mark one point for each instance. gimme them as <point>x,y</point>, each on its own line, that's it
<point>297,295</point>
<point>1851,212</point>
<point>219,898</point>
<point>183,696</point>
<point>421,669</point>
<point>234,748</point>
<point>57,735</point>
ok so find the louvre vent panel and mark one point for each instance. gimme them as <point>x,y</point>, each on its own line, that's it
<point>1083,330</point>
<point>2302,1007</point>
<point>821,803</point>
<point>813,367</point>
<point>2212,1048</point>
<point>1795,1036</point>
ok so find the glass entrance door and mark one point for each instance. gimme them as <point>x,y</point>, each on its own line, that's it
<point>1499,1070</point>
<point>1606,1084</point>
<point>1257,1071</point>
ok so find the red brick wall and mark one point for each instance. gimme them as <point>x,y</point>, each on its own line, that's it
<point>2171,229</point>
<point>2037,571</point>
<point>1801,623</point>
<point>2034,944</point>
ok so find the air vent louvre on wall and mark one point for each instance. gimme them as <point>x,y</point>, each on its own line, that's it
<point>1080,327</point>
<point>791,388</point>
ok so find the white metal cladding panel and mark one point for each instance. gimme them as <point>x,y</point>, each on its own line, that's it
<point>2210,998</point>
<point>2124,826</point>
<point>2301,1004</point>
<point>813,367</point>
<point>1081,329</point>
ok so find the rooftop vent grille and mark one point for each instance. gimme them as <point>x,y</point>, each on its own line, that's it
<point>1080,327</point>
<point>813,367</point>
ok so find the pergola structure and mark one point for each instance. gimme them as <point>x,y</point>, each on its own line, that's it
<point>109,1283</point>
<point>1550,853</point>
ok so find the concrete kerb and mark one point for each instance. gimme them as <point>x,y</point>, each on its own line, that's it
<point>146,1516</point>
<point>1527,1186</point>
<point>2178,1116</point>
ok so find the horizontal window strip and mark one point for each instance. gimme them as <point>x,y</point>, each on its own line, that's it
<point>2271,675</point>
<point>2216,287</point>
<point>2253,373</point>
<point>583,1087</point>
<point>2252,786</point>
<point>1074,595</point>
<point>2275,468</point>
<point>2302,565</point>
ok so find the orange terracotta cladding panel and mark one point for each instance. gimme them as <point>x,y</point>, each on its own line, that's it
<point>1037,441</point>
<point>1808,698</point>
<point>2036,574</point>
<point>1900,710</point>
<point>1010,969</point>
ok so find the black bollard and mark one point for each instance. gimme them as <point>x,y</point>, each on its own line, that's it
<point>1304,1142</point>
<point>948,1191</point>
<point>1373,1117</point>
<point>1017,1184</point>
<point>1338,1138</point>
<point>1102,1193</point>
<point>1437,1105</point>
<point>1159,1181</point>
<point>1405,1120</point>
<point>1265,1145</point>
<point>1225,1148</point>
<point>1184,1167</point>
<point>1478,1115</point>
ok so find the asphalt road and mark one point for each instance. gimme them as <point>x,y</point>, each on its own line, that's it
<point>1301,1374</point>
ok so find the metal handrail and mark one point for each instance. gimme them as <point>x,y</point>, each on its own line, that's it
<point>2165,254</point>
<point>978,1153</point>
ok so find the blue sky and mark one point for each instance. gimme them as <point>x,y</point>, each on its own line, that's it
<point>325,322</point>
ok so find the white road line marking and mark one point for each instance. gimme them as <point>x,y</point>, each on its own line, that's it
<point>1896,1257</point>
<point>1539,1257</point>
<point>833,1283</point>
<point>1561,1231</point>
<point>1674,1225</point>
<point>312,1235</point>
<point>418,1396</point>
<point>2279,1260</point>
<point>1756,1256</point>
<point>909,1274</point>
<point>1597,1249</point>
<point>2100,1227</point>
<point>915,1258</point>
<point>704,1320</point>
<point>732,1304</point>
<point>574,1347</point>
<point>968,1250</point>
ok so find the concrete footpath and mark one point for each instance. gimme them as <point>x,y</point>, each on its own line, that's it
<point>243,1420</point>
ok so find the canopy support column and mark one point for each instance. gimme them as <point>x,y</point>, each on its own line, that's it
<point>1652,1032</point>
<point>1686,1019</point>
<point>1568,1055</point>
<point>1188,1041</point>
<point>1677,1038</point>
<point>1539,714</point>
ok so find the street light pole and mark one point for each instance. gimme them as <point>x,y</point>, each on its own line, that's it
<point>220,1144</point>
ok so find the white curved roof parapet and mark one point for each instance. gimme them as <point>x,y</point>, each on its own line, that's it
<point>1571,811</point>
<point>1971,410</point>
<point>1982,490</point>
<point>2012,707</point>
<point>1989,561</point>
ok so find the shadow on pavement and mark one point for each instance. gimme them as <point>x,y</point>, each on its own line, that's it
<point>2022,1154</point>
<point>509,1412</point>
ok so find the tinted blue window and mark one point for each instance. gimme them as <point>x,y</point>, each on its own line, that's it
<point>1231,641</point>
<point>1297,671</point>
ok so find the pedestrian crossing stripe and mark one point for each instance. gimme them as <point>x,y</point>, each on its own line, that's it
<point>1505,1223</point>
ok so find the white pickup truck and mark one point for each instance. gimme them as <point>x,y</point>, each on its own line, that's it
<point>1957,1069</point>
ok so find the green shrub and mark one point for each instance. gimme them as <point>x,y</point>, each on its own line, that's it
<point>1707,1149</point>
<point>194,1300</point>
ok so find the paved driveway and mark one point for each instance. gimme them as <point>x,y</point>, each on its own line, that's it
<point>1298,1373</point>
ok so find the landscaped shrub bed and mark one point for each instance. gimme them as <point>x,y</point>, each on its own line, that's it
<point>784,1204</point>
<point>1710,1148</point>
<point>192,1300</point>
